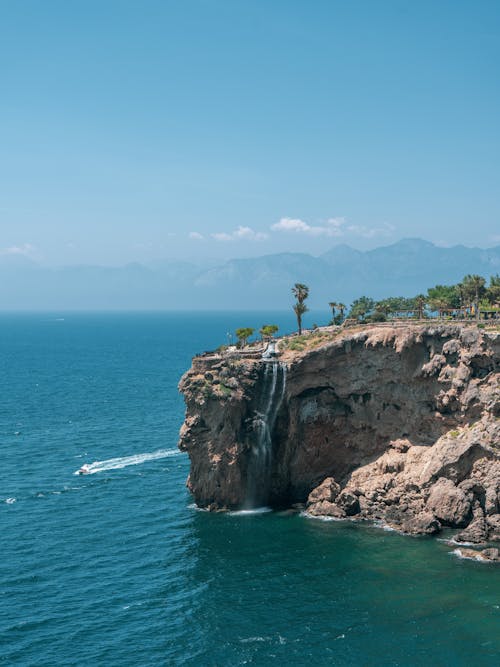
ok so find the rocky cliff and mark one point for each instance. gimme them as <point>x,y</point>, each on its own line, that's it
<point>400,424</point>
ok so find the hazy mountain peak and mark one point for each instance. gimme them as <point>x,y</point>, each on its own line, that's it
<point>343,273</point>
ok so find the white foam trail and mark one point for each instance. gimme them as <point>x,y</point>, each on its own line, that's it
<point>124,461</point>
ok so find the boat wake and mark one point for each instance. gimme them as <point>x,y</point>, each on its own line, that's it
<point>124,461</point>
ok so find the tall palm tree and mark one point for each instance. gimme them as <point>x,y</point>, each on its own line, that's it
<point>341,307</point>
<point>333,305</point>
<point>300,292</point>
<point>300,309</point>
<point>420,305</point>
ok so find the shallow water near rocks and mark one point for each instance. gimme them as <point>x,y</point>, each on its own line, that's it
<point>118,568</point>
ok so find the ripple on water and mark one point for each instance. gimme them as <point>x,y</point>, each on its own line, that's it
<point>115,568</point>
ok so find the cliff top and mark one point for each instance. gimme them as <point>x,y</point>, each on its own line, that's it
<point>400,334</point>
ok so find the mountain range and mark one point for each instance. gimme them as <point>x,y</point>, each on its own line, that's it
<point>405,268</point>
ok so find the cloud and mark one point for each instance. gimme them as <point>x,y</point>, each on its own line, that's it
<point>196,236</point>
<point>27,249</point>
<point>240,234</point>
<point>290,225</point>
<point>333,227</point>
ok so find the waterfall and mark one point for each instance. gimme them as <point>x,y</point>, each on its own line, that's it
<point>260,458</point>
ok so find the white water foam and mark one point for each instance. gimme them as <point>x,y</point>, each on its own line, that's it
<point>194,506</point>
<point>254,510</point>
<point>124,461</point>
<point>321,517</point>
<point>452,542</point>
<point>477,557</point>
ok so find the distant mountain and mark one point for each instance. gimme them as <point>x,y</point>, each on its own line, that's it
<point>405,268</point>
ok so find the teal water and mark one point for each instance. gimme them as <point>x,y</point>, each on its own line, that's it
<point>118,568</point>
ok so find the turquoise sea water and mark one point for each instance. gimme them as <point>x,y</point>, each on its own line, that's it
<point>118,568</point>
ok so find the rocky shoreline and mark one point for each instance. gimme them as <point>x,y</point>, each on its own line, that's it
<point>394,424</point>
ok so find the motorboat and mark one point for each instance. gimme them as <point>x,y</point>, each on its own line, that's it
<point>84,470</point>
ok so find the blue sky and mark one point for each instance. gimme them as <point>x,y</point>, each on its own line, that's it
<point>136,131</point>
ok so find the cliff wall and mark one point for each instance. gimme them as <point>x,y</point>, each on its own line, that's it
<point>396,423</point>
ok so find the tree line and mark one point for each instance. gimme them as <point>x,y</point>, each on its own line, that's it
<point>465,299</point>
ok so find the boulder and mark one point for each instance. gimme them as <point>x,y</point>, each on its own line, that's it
<point>424,523</point>
<point>476,532</point>
<point>493,523</point>
<point>451,505</point>
<point>348,502</point>
<point>327,491</point>
<point>488,555</point>
<point>326,508</point>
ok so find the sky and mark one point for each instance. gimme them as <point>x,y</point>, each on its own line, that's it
<point>208,129</point>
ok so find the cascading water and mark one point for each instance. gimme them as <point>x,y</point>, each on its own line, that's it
<point>260,460</point>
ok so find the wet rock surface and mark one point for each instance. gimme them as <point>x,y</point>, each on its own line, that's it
<point>396,424</point>
<point>486,555</point>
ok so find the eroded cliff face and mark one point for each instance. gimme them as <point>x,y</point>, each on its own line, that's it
<point>399,423</point>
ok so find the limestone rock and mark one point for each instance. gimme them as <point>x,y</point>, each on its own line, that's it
<point>493,523</point>
<point>450,504</point>
<point>476,532</point>
<point>326,508</point>
<point>424,523</point>
<point>348,502</point>
<point>328,490</point>
<point>487,555</point>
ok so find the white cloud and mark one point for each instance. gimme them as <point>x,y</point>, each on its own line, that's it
<point>196,236</point>
<point>27,249</point>
<point>333,227</point>
<point>290,225</point>
<point>240,234</point>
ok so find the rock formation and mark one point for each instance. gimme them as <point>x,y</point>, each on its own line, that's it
<point>395,423</point>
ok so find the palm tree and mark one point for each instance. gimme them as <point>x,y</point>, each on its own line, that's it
<point>333,305</point>
<point>341,307</point>
<point>420,305</point>
<point>300,292</point>
<point>300,309</point>
<point>360,307</point>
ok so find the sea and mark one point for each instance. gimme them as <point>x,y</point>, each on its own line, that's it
<point>119,567</point>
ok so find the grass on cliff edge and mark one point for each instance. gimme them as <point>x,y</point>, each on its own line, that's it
<point>317,337</point>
